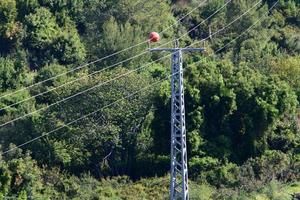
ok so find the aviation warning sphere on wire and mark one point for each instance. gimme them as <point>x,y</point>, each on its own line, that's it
<point>154,37</point>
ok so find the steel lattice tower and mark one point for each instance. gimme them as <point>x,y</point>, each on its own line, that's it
<point>179,170</point>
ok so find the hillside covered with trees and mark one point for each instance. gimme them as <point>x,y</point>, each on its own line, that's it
<point>242,98</point>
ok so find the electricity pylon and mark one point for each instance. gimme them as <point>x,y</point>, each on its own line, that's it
<point>179,170</point>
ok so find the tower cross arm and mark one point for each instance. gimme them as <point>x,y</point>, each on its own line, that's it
<point>178,49</point>
<point>193,49</point>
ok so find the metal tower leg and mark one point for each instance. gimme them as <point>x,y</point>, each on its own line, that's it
<point>179,172</point>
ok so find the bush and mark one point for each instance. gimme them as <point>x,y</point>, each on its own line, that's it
<point>50,42</point>
<point>11,31</point>
<point>67,47</point>
<point>12,73</point>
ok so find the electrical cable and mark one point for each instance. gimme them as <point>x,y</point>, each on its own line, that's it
<point>109,67</point>
<point>179,20</point>
<point>85,116</point>
<point>100,59</point>
<point>115,102</point>
<point>64,99</point>
<point>229,24</point>
<point>249,28</point>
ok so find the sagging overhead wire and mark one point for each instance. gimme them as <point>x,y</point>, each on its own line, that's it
<point>103,58</point>
<point>122,75</point>
<point>233,21</point>
<point>128,96</point>
<point>113,65</point>
<point>249,28</point>
<point>85,116</point>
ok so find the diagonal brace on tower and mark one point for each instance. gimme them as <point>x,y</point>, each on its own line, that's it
<point>179,170</point>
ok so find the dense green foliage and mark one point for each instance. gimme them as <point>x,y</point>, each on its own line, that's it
<point>242,100</point>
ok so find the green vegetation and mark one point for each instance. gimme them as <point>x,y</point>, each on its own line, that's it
<point>242,101</point>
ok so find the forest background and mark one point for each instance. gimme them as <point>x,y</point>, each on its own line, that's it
<point>242,99</point>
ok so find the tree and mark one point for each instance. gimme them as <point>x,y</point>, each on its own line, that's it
<point>26,7</point>
<point>9,27</point>
<point>67,47</point>
<point>21,177</point>
<point>111,42</point>
<point>237,108</point>
<point>49,42</point>
<point>287,69</point>
<point>42,30</point>
<point>242,104</point>
<point>112,27</point>
<point>12,73</point>
<point>109,134</point>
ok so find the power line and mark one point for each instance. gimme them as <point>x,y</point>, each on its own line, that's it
<point>125,74</point>
<point>249,28</point>
<point>179,20</point>
<point>103,58</point>
<point>48,133</point>
<point>82,92</point>
<point>225,27</point>
<point>111,66</point>
<point>85,116</point>
<point>78,119</point>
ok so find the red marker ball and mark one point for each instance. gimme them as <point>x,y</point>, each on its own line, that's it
<point>154,37</point>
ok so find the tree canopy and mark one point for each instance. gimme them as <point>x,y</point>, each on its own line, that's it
<point>242,99</point>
